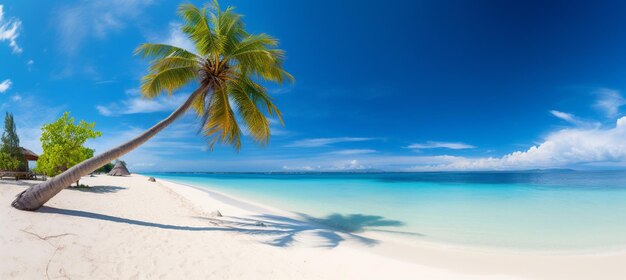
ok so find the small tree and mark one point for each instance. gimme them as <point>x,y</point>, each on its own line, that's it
<point>8,163</point>
<point>11,157</point>
<point>62,142</point>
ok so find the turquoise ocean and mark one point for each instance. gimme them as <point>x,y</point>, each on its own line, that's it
<point>530,210</point>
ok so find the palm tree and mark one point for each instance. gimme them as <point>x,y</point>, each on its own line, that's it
<point>228,64</point>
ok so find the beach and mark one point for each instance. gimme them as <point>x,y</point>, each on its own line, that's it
<point>130,228</point>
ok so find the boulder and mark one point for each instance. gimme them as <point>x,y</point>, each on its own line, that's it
<point>151,179</point>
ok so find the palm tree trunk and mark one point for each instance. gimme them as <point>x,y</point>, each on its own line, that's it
<point>34,197</point>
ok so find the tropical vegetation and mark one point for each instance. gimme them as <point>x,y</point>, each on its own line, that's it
<point>11,157</point>
<point>63,144</point>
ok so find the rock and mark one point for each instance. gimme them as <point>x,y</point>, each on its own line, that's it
<point>151,179</point>
<point>259,224</point>
<point>216,214</point>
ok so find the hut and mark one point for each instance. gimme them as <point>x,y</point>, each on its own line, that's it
<point>119,170</point>
<point>22,172</point>
<point>28,156</point>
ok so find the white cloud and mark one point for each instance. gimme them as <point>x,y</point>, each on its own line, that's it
<point>178,39</point>
<point>178,138</point>
<point>324,142</point>
<point>10,30</point>
<point>609,102</point>
<point>30,115</point>
<point>353,152</point>
<point>161,104</point>
<point>136,104</point>
<point>16,98</point>
<point>572,147</point>
<point>349,165</point>
<point>5,85</point>
<point>301,168</point>
<point>352,165</point>
<point>104,111</point>
<point>564,116</point>
<point>172,35</point>
<point>572,119</point>
<point>445,145</point>
<point>95,19</point>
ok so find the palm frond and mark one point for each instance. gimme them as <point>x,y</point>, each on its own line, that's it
<point>219,123</point>
<point>261,99</point>
<point>157,51</point>
<point>172,62</point>
<point>256,122</point>
<point>256,55</point>
<point>197,27</point>
<point>169,79</point>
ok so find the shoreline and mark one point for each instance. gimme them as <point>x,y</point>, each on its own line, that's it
<point>403,248</point>
<point>240,202</point>
<point>127,227</point>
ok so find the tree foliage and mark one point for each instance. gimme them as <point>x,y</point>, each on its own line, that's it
<point>62,142</point>
<point>11,157</point>
<point>8,163</point>
<point>229,64</point>
<point>105,168</point>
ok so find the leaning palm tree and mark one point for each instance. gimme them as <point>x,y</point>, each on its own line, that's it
<point>228,64</point>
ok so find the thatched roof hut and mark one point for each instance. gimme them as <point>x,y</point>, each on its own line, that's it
<point>28,154</point>
<point>119,170</point>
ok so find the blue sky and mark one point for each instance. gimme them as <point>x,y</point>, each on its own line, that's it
<point>398,86</point>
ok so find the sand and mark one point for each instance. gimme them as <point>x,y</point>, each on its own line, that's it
<point>130,228</point>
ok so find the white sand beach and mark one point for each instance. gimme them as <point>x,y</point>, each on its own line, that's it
<point>130,228</point>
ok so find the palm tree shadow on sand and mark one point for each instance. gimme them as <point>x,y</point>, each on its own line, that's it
<point>18,183</point>
<point>327,232</point>
<point>273,230</point>
<point>97,189</point>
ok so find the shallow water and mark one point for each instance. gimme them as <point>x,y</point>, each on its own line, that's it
<point>534,210</point>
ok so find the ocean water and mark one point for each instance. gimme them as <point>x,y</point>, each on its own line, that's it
<point>533,210</point>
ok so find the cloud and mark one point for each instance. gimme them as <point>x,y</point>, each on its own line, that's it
<point>30,115</point>
<point>172,35</point>
<point>351,165</point>
<point>348,165</point>
<point>178,39</point>
<point>353,152</point>
<point>136,104</point>
<point>105,111</point>
<point>95,19</point>
<point>445,145</point>
<point>609,102</point>
<point>180,138</point>
<point>564,116</point>
<point>324,142</point>
<point>16,98</point>
<point>565,148</point>
<point>572,119</point>
<point>5,85</point>
<point>10,30</point>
